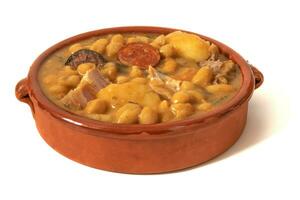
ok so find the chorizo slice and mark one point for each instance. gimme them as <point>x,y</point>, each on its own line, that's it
<point>85,56</point>
<point>139,54</point>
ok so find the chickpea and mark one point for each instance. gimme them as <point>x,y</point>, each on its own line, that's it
<point>148,116</point>
<point>182,110</point>
<point>96,106</point>
<point>167,50</point>
<point>164,106</point>
<point>128,114</point>
<point>99,45</point>
<point>203,77</point>
<point>75,47</point>
<point>132,40</point>
<point>143,39</point>
<point>205,106</point>
<point>138,38</point>
<point>122,79</point>
<point>167,116</point>
<point>158,41</point>
<point>165,112</point>
<point>187,85</point>
<point>116,43</point>
<point>84,67</point>
<point>135,72</point>
<point>110,70</point>
<point>169,66</point>
<point>181,97</point>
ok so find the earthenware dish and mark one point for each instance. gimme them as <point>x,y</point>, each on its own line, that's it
<point>140,149</point>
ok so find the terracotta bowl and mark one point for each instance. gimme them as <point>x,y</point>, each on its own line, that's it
<point>140,149</point>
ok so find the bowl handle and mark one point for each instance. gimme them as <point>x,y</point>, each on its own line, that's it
<point>258,76</point>
<point>22,95</point>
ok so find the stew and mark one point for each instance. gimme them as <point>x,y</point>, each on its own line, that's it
<point>137,78</point>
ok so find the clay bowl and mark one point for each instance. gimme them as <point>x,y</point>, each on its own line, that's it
<point>139,149</point>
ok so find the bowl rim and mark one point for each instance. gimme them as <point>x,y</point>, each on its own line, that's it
<point>238,99</point>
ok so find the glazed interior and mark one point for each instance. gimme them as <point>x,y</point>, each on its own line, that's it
<point>240,96</point>
<point>179,84</point>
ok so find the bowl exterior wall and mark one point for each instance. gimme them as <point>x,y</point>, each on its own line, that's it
<point>145,155</point>
<point>165,148</point>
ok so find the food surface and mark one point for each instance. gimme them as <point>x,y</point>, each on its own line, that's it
<point>140,78</point>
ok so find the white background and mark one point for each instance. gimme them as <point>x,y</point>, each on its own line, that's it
<point>263,164</point>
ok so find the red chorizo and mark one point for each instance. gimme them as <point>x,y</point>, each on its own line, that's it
<point>139,54</point>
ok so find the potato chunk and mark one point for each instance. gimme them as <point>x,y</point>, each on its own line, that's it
<point>189,46</point>
<point>135,92</point>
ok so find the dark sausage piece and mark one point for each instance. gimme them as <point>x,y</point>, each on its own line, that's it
<point>139,54</point>
<point>85,56</point>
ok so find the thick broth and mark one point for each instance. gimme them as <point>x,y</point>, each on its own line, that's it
<point>190,76</point>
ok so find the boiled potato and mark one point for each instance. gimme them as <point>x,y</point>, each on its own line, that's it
<point>189,46</point>
<point>136,92</point>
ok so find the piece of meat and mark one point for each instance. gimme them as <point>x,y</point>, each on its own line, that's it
<point>214,64</point>
<point>163,84</point>
<point>86,90</point>
<point>139,54</point>
<point>85,56</point>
